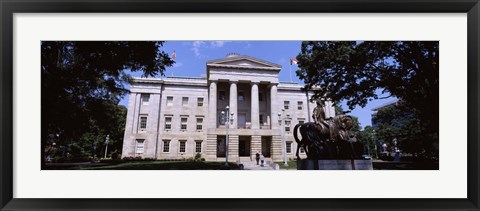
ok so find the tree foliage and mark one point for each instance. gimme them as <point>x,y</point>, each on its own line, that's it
<point>367,137</point>
<point>82,84</point>
<point>398,122</point>
<point>355,71</point>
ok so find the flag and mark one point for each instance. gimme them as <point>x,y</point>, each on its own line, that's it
<point>293,61</point>
<point>174,55</point>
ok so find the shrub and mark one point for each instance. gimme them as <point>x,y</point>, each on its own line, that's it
<point>115,156</point>
<point>149,159</point>
<point>131,158</point>
<point>198,156</point>
<point>58,159</point>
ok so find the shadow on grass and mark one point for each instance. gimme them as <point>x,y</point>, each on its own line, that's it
<point>167,165</point>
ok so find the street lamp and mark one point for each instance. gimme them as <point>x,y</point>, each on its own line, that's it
<point>375,142</point>
<point>227,118</point>
<point>395,142</point>
<point>283,122</point>
<point>106,145</point>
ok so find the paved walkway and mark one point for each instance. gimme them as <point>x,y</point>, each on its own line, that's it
<point>254,166</point>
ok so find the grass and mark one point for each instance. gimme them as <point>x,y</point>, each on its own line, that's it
<point>165,165</point>
<point>292,164</point>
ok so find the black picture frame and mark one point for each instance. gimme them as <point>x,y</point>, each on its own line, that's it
<point>10,7</point>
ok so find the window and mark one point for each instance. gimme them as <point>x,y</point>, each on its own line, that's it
<point>221,95</point>
<point>241,96</point>
<point>183,146</point>
<point>145,98</point>
<point>166,145</point>
<point>260,97</point>
<point>261,119</point>
<point>168,123</point>
<point>286,104</point>
<point>300,105</point>
<point>199,123</point>
<point>287,125</point>
<point>184,101</point>
<point>198,146</point>
<point>301,121</point>
<point>139,148</point>
<point>183,123</point>
<point>200,101</point>
<point>169,101</point>
<point>143,122</point>
<point>289,147</point>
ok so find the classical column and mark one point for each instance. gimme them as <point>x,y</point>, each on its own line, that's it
<point>233,104</point>
<point>274,106</point>
<point>211,146</point>
<point>212,105</point>
<point>255,107</point>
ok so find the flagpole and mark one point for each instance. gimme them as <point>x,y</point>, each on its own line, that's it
<point>174,55</point>
<point>290,70</point>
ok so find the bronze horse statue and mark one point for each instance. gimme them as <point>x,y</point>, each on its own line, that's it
<point>331,139</point>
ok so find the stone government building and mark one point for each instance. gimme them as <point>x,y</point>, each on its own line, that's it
<point>178,117</point>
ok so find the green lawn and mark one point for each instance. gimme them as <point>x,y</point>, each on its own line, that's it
<point>165,165</point>
<point>292,164</point>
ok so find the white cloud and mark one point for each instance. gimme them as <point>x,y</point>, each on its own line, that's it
<point>198,45</point>
<point>177,64</point>
<point>196,51</point>
<point>217,44</point>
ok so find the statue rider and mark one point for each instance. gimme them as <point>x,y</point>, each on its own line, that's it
<point>319,115</point>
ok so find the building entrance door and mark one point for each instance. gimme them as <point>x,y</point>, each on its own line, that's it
<point>266,146</point>
<point>221,146</point>
<point>244,146</point>
<point>242,119</point>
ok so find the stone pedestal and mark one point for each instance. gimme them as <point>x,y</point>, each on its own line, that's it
<point>334,165</point>
<point>363,164</point>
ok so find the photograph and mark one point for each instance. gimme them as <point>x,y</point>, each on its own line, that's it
<point>240,105</point>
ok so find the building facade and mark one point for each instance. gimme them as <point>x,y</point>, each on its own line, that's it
<point>179,117</point>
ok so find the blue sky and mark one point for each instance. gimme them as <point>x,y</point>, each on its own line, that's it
<point>192,57</point>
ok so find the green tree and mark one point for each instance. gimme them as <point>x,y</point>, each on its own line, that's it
<point>83,82</point>
<point>355,71</point>
<point>368,138</point>
<point>398,122</point>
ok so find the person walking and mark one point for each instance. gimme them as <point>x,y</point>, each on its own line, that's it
<point>262,160</point>
<point>257,157</point>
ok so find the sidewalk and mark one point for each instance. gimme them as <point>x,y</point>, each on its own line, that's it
<point>254,166</point>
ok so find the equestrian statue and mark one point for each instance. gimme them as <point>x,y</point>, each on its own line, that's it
<point>330,138</point>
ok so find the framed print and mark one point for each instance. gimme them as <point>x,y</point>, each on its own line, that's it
<point>113,104</point>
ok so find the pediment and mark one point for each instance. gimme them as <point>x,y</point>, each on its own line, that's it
<point>243,62</point>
